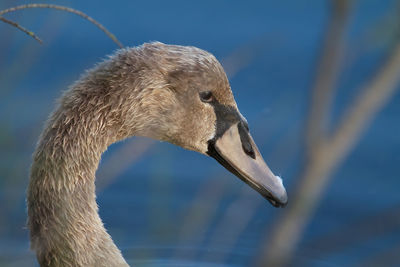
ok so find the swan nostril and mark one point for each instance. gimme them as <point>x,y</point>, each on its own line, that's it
<point>245,139</point>
<point>246,126</point>
<point>248,149</point>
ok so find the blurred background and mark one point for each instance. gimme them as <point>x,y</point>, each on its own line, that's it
<point>317,81</point>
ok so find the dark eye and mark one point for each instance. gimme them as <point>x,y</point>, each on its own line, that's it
<point>206,96</point>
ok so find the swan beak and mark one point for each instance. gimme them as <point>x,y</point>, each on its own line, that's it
<point>238,153</point>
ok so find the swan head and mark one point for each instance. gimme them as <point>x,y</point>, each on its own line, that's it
<point>188,102</point>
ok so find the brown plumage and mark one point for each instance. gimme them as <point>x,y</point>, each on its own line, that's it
<point>151,90</point>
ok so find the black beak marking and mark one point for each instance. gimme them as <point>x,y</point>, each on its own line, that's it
<point>226,117</point>
<point>245,140</point>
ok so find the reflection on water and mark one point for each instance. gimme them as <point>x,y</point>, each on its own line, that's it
<point>177,263</point>
<point>132,258</point>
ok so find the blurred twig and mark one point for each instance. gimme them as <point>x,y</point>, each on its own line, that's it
<point>327,72</point>
<point>200,214</point>
<point>241,57</point>
<point>16,25</point>
<point>235,220</point>
<point>357,232</point>
<point>57,7</point>
<point>121,160</point>
<point>325,152</point>
<point>387,257</point>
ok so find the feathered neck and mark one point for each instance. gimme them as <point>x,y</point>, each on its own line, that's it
<point>64,224</point>
<point>65,227</point>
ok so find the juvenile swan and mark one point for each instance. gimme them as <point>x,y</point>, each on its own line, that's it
<point>172,93</point>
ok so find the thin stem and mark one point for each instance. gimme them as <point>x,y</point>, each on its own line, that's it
<point>327,72</point>
<point>16,25</point>
<point>67,9</point>
<point>325,156</point>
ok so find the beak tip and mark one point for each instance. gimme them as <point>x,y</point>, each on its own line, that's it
<point>278,201</point>
<point>283,200</point>
<point>279,198</point>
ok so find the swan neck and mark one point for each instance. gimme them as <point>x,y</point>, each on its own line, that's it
<point>65,227</point>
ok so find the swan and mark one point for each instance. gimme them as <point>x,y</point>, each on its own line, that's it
<point>177,94</point>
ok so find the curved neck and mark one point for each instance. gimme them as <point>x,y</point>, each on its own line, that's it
<point>115,100</point>
<point>63,219</point>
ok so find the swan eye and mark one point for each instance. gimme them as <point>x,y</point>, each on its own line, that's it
<point>206,96</point>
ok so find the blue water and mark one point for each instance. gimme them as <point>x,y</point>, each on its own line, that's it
<point>172,207</point>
